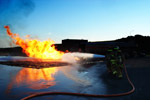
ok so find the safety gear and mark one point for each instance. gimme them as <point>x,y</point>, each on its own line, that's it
<point>114,72</point>
<point>115,61</point>
<point>110,50</point>
<point>120,76</point>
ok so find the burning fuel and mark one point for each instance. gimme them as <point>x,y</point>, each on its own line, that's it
<point>46,49</point>
<point>35,48</point>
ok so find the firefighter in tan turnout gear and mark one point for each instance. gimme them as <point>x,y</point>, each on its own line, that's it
<point>114,60</point>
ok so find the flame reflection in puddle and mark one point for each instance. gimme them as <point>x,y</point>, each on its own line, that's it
<point>34,78</point>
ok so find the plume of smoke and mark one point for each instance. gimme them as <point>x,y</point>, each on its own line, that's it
<point>14,10</point>
<point>13,13</point>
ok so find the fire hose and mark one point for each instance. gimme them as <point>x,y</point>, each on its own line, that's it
<point>83,94</point>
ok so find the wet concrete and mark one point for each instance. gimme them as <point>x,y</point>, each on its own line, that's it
<point>18,82</point>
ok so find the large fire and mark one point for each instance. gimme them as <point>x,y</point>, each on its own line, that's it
<point>35,48</point>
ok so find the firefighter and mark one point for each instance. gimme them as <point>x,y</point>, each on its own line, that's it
<point>120,60</point>
<point>108,59</point>
<point>114,61</point>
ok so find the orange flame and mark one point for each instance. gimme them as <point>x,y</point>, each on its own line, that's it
<point>35,48</point>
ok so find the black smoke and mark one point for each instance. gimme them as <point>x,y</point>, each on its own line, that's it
<point>13,13</point>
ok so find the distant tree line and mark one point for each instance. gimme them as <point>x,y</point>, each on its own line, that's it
<point>142,42</point>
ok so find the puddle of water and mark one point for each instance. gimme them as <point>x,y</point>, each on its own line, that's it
<point>18,82</point>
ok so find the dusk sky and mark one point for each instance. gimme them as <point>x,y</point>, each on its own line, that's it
<point>95,20</point>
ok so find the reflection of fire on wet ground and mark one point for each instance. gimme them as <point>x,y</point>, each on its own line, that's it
<point>34,78</point>
<point>37,74</point>
<point>43,77</point>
